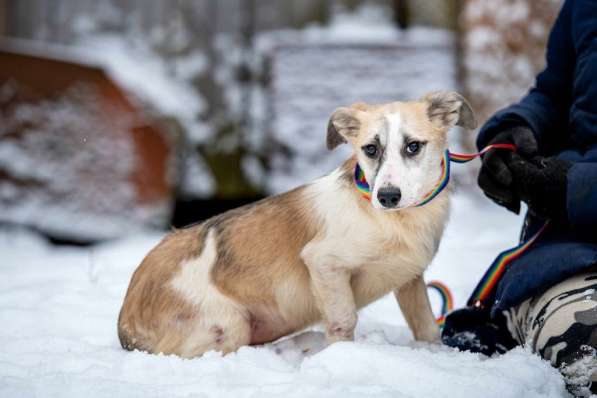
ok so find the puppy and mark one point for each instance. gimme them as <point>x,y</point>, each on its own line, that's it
<point>317,253</point>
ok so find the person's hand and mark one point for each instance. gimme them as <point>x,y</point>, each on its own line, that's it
<point>495,177</point>
<point>542,184</point>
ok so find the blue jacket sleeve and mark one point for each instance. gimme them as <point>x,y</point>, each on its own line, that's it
<point>546,107</point>
<point>582,193</point>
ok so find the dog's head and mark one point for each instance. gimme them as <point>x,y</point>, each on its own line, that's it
<point>400,145</point>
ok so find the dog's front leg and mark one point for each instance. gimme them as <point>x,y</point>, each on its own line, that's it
<point>334,297</point>
<point>415,305</point>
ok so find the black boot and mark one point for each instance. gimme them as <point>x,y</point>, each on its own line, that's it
<point>471,329</point>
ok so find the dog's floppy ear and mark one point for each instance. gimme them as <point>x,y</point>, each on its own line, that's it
<point>343,123</point>
<point>448,108</point>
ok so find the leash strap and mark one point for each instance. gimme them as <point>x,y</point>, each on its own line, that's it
<point>486,286</point>
<point>484,291</point>
<point>467,157</point>
<point>447,300</point>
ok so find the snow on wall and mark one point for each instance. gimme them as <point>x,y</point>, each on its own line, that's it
<point>165,85</point>
<point>161,83</point>
<point>59,155</point>
<point>359,57</point>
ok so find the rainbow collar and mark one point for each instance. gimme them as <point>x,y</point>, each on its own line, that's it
<point>363,186</point>
<point>365,190</point>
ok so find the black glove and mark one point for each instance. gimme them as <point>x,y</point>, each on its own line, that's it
<point>471,329</point>
<point>495,178</point>
<point>542,184</point>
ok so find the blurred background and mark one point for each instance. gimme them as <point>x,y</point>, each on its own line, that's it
<point>121,115</point>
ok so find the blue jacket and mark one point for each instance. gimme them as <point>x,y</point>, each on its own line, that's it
<point>561,109</point>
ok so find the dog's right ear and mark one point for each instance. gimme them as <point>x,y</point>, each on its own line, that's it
<point>448,108</point>
<point>342,125</point>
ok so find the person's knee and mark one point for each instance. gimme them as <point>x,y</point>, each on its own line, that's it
<point>568,334</point>
<point>567,338</point>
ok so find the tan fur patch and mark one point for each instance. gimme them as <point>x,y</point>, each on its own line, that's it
<point>259,252</point>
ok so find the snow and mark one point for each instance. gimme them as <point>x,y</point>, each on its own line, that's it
<point>59,307</point>
<point>155,71</point>
<point>161,82</point>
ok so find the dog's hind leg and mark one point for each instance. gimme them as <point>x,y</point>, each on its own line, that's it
<point>220,325</point>
<point>214,321</point>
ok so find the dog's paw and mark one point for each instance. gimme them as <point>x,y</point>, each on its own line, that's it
<point>428,335</point>
<point>336,332</point>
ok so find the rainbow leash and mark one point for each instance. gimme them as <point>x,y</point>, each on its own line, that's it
<point>447,300</point>
<point>466,157</point>
<point>486,286</point>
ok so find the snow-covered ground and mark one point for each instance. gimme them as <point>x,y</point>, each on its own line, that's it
<point>58,311</point>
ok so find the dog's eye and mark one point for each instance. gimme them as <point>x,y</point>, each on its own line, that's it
<point>413,147</point>
<point>370,150</point>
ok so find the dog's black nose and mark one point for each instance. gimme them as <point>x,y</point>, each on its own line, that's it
<point>389,197</point>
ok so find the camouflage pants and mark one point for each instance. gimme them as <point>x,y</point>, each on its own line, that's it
<point>561,326</point>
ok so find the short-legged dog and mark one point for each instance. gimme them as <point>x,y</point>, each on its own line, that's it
<point>319,252</point>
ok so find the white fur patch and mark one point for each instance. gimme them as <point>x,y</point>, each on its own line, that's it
<point>193,280</point>
<point>350,233</point>
<point>342,217</point>
<point>415,176</point>
<point>194,283</point>
<point>389,172</point>
<point>222,324</point>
